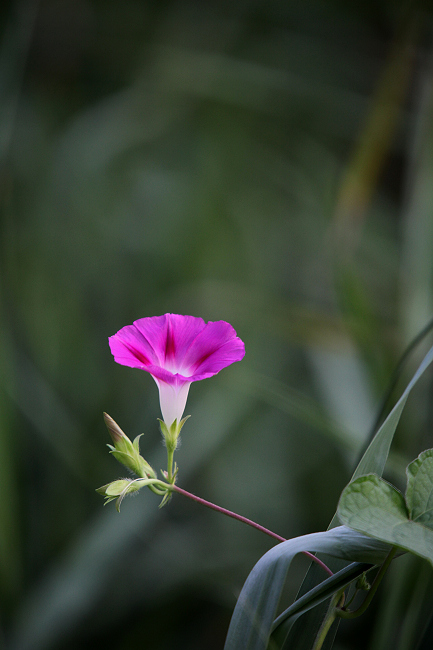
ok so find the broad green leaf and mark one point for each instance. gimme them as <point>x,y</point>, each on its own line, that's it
<point>373,507</point>
<point>255,610</point>
<point>419,491</point>
<point>373,500</point>
<point>373,461</point>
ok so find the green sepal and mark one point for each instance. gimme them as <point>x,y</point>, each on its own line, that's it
<point>136,443</point>
<point>135,463</point>
<point>182,422</point>
<point>102,490</point>
<point>171,433</point>
<point>127,460</point>
<point>165,499</point>
<point>164,428</point>
<point>146,468</point>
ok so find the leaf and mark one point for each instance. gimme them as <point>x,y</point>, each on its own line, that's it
<point>252,619</point>
<point>377,452</point>
<point>283,624</point>
<point>373,507</point>
<point>419,491</point>
<point>373,460</point>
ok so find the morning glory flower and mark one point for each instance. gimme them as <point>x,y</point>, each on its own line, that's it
<point>176,350</point>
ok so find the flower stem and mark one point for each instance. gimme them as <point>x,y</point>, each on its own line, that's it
<point>244,520</point>
<point>170,453</point>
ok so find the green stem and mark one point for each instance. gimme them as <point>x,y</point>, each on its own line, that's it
<point>170,453</point>
<point>355,593</point>
<point>327,623</point>
<point>343,613</point>
<point>157,490</point>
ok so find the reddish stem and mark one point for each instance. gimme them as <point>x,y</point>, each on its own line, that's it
<point>229,513</point>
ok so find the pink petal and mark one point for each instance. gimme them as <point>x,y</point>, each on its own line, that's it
<point>177,350</point>
<point>227,354</point>
<point>216,347</point>
<point>170,336</point>
<point>130,348</point>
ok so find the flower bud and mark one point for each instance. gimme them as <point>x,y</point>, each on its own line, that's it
<point>119,489</point>
<point>127,452</point>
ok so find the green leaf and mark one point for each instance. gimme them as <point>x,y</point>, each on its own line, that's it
<point>419,491</point>
<point>373,461</point>
<point>283,624</point>
<point>376,455</point>
<point>373,500</point>
<point>253,617</point>
<point>373,507</point>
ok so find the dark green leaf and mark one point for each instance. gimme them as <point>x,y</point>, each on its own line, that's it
<point>255,610</point>
<point>419,491</point>
<point>373,507</point>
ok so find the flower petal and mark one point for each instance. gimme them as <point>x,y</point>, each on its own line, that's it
<point>216,347</point>
<point>170,337</point>
<point>176,350</point>
<point>130,348</point>
<point>227,354</point>
<point>172,400</point>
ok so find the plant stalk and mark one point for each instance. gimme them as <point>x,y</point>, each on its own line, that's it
<point>247,521</point>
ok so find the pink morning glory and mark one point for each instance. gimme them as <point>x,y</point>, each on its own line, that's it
<point>176,350</point>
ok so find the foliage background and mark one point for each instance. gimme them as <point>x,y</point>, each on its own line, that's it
<point>265,163</point>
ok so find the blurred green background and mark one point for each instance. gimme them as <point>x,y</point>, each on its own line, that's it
<point>265,163</point>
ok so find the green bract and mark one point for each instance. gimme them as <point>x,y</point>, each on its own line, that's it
<point>171,433</point>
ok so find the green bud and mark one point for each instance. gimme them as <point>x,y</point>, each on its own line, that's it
<point>126,452</point>
<point>120,440</point>
<point>119,489</point>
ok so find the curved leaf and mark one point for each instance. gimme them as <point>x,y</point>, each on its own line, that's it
<point>255,610</point>
<point>283,624</point>
<point>373,460</point>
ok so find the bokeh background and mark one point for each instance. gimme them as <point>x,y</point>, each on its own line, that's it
<point>265,163</point>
